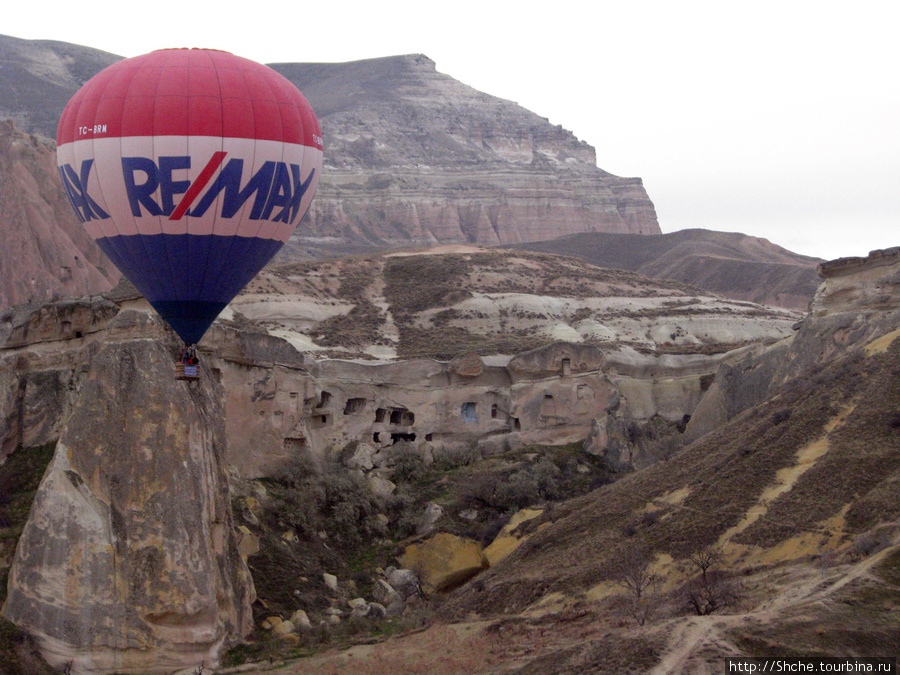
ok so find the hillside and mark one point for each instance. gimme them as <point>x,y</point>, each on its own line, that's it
<point>730,264</point>
<point>441,303</point>
<point>797,494</point>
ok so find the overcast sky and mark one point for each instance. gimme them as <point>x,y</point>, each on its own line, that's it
<point>776,119</point>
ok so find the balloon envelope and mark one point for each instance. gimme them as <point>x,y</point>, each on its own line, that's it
<point>190,168</point>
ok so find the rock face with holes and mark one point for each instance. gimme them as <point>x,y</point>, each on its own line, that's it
<point>129,562</point>
<point>279,403</point>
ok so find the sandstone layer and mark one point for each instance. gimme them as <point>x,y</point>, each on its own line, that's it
<point>414,156</point>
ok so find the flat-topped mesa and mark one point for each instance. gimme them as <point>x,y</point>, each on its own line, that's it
<point>413,155</point>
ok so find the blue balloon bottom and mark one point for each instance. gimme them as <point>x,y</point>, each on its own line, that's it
<point>189,279</point>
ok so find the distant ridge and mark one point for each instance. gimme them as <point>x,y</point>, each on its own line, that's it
<point>735,265</point>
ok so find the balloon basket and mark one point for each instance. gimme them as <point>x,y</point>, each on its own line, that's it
<point>184,371</point>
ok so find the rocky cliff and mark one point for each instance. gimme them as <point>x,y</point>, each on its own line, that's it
<point>858,303</point>
<point>783,515</point>
<point>492,302</point>
<point>46,253</point>
<point>771,473</point>
<point>413,155</point>
<point>129,561</point>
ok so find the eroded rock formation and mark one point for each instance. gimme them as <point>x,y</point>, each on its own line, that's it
<point>129,562</point>
<point>857,303</point>
<point>423,158</point>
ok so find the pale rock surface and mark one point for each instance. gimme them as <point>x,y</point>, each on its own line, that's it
<point>247,542</point>
<point>129,562</point>
<point>284,628</point>
<point>300,619</point>
<point>46,253</point>
<point>384,594</point>
<point>381,487</point>
<point>404,581</point>
<point>432,514</point>
<point>857,304</point>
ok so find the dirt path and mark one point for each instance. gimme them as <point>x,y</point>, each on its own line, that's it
<point>698,644</point>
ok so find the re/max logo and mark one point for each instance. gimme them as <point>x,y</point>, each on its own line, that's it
<point>276,188</point>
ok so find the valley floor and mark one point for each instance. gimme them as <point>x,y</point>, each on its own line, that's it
<point>809,608</point>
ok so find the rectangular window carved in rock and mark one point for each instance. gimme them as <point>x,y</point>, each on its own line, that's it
<point>354,405</point>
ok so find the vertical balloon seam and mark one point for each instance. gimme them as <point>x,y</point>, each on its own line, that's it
<point>122,252</point>
<point>261,255</point>
<point>173,292</point>
<point>216,206</point>
<point>240,68</point>
<point>190,293</point>
<point>262,221</point>
<point>153,286</point>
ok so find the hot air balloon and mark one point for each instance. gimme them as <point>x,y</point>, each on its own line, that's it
<point>190,168</point>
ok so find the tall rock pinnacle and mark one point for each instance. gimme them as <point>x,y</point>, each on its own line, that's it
<point>128,562</point>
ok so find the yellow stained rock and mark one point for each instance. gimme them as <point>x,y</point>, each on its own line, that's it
<point>247,542</point>
<point>443,561</point>
<point>505,542</point>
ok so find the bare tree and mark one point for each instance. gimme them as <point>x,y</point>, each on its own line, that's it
<point>640,584</point>
<point>710,590</point>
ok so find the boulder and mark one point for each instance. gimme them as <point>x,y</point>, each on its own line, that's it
<point>284,628</point>
<point>433,513</point>
<point>359,456</point>
<point>445,560</point>
<point>247,542</point>
<point>360,610</point>
<point>395,608</point>
<point>271,623</point>
<point>330,581</point>
<point>405,582</point>
<point>467,365</point>
<point>300,619</point>
<point>376,611</point>
<point>357,602</point>
<point>384,593</point>
<point>381,487</point>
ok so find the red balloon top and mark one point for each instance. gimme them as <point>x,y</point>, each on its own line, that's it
<point>189,92</point>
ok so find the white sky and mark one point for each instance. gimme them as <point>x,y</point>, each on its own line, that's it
<point>776,119</point>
